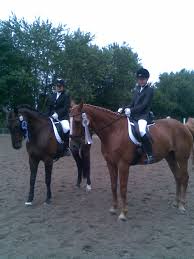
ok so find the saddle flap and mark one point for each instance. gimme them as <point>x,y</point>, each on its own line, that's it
<point>59,128</point>
<point>134,133</point>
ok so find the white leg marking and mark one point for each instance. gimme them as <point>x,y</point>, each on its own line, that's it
<point>88,188</point>
<point>122,217</point>
<point>28,203</point>
<point>112,211</point>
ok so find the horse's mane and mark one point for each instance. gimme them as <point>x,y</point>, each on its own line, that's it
<point>27,106</point>
<point>103,109</point>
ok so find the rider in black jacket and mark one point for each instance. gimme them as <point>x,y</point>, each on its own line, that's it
<point>140,108</point>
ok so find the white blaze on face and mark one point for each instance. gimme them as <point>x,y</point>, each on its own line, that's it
<point>71,125</point>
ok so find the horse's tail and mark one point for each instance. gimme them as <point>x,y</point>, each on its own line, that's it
<point>190,125</point>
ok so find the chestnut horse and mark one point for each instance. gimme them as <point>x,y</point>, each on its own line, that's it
<point>171,140</point>
<point>41,145</point>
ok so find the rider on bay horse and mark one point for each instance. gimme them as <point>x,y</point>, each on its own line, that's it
<point>139,110</point>
<point>58,108</point>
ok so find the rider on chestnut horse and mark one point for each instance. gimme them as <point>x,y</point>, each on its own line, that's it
<point>139,110</point>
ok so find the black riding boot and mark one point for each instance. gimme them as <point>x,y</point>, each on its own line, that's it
<point>147,146</point>
<point>66,149</point>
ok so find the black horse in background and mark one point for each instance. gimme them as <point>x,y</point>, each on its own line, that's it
<point>42,145</point>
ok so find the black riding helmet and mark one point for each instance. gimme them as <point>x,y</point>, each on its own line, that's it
<point>60,81</point>
<point>142,73</point>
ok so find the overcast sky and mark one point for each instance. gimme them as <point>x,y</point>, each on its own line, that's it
<point>159,31</point>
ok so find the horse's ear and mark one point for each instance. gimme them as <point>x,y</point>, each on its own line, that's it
<point>81,106</point>
<point>72,103</point>
<point>15,110</point>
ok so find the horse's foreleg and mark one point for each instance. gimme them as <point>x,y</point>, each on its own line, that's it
<point>33,162</point>
<point>79,163</point>
<point>48,171</point>
<point>123,177</point>
<point>85,151</point>
<point>113,171</point>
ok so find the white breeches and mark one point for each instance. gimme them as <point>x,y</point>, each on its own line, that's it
<point>65,125</point>
<point>142,127</point>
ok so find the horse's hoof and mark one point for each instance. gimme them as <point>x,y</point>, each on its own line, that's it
<point>88,188</point>
<point>28,203</point>
<point>175,204</point>
<point>112,211</point>
<point>122,217</point>
<point>47,202</point>
<point>182,209</point>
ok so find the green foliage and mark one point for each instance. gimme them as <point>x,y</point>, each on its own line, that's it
<point>175,95</point>
<point>33,55</point>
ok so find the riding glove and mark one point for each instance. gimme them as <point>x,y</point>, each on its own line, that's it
<point>128,112</point>
<point>120,110</point>
<point>55,116</point>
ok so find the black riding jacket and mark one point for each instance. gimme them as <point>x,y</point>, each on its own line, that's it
<point>141,103</point>
<point>60,106</point>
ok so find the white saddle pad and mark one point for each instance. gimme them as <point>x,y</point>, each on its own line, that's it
<point>131,136</point>
<point>58,138</point>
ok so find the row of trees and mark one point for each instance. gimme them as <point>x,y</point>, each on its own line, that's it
<point>32,55</point>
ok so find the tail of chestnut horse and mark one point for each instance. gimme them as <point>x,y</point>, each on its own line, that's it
<point>190,125</point>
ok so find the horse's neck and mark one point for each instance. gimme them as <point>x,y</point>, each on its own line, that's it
<point>102,120</point>
<point>33,118</point>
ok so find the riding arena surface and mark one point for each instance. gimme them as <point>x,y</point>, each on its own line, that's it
<point>78,224</point>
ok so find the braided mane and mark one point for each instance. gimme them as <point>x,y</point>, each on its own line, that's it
<point>103,109</point>
<point>27,106</point>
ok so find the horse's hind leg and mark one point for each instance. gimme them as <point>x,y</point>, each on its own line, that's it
<point>48,171</point>
<point>179,169</point>
<point>78,160</point>
<point>33,162</point>
<point>192,156</point>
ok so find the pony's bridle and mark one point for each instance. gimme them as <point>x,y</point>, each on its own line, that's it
<point>85,124</point>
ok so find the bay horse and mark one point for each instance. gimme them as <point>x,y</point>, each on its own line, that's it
<point>171,141</point>
<point>81,154</point>
<point>41,144</point>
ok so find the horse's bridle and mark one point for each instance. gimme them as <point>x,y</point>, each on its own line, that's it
<point>86,133</point>
<point>83,114</point>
